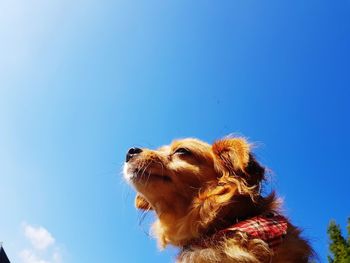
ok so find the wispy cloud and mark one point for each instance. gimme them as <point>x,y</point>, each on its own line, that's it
<point>43,247</point>
<point>38,236</point>
<point>29,256</point>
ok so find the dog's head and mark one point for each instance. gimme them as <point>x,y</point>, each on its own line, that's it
<point>189,183</point>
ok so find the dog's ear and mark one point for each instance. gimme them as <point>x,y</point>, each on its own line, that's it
<point>142,203</point>
<point>231,155</point>
<point>239,175</point>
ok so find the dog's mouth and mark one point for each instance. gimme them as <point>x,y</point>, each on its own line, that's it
<point>138,175</point>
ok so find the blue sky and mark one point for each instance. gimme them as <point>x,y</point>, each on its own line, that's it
<point>82,81</point>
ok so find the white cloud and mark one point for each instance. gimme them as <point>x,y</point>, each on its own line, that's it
<point>38,236</point>
<point>42,249</point>
<point>29,256</point>
<point>57,257</point>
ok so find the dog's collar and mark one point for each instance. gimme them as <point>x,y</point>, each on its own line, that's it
<point>271,228</point>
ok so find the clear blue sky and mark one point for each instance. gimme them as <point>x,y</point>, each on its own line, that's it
<point>81,81</point>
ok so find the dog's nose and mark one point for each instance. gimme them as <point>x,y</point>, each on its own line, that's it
<point>132,152</point>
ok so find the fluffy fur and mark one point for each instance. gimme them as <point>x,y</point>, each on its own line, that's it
<point>197,189</point>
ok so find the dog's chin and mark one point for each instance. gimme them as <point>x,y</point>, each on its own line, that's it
<point>136,176</point>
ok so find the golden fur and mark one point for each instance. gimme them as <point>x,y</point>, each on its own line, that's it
<point>197,189</point>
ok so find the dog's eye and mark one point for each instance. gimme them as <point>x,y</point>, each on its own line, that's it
<point>182,151</point>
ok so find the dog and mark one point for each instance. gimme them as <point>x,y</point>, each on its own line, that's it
<point>209,204</point>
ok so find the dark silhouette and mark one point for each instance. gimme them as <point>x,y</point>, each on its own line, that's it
<point>3,256</point>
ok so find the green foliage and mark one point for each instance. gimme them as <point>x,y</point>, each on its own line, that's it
<point>338,246</point>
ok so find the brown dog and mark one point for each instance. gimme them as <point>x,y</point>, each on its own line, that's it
<point>208,203</point>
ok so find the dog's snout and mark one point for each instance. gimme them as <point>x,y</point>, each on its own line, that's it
<point>132,152</point>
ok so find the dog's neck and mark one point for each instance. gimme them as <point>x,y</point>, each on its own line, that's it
<point>240,209</point>
<point>181,229</point>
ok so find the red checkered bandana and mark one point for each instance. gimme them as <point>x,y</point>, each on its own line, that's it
<point>270,228</point>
